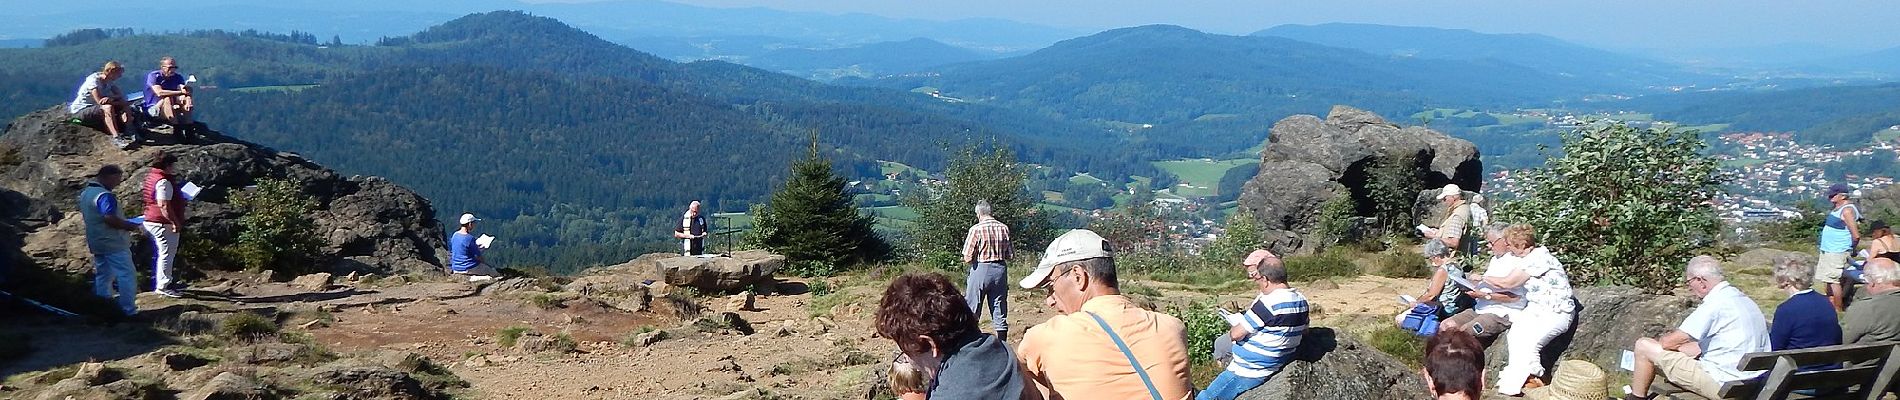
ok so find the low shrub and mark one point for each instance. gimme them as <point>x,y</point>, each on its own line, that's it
<point>1203,326</point>
<point>507,336</point>
<point>246,326</point>
<point>1400,264</point>
<point>1331,263</point>
<point>1399,343</point>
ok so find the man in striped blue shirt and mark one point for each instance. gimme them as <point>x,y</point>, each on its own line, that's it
<point>1267,334</point>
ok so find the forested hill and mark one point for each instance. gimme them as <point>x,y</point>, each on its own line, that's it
<point>1178,79</point>
<point>578,150</point>
<point>1563,59</point>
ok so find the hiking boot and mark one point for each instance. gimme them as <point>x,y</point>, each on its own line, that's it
<point>122,141</point>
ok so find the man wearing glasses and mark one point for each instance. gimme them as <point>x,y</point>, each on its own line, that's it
<point>1103,346</point>
<point>167,98</point>
<point>1704,352</point>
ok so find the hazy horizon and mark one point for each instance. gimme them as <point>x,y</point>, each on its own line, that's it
<point>1607,24</point>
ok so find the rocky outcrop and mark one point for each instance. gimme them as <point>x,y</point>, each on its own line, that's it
<point>742,270</point>
<point>1338,367</point>
<point>1308,161</point>
<point>1610,320</point>
<point>367,224</point>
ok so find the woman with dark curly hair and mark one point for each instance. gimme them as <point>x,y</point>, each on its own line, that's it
<point>926,315</point>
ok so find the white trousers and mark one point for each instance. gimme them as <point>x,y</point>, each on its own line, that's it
<point>1530,331</point>
<point>166,240</point>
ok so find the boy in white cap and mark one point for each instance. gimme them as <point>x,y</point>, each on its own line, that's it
<point>465,256</point>
<point>1093,349</point>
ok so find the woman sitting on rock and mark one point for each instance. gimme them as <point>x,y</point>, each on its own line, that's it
<point>1441,298</point>
<point>1548,310</point>
<point>1493,306</point>
<point>927,317</point>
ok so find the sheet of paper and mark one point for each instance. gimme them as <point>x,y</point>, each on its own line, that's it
<point>484,241</point>
<point>1629,361</point>
<point>1407,299</point>
<point>1231,318</point>
<point>1424,229</point>
<point>1461,282</point>
<point>190,190</point>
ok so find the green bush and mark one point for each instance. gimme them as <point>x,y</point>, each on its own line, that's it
<point>945,213</point>
<point>811,268</point>
<point>246,326</point>
<point>1203,325</point>
<point>1623,205</point>
<point>1399,343</point>
<point>1243,236</point>
<point>564,343</point>
<point>1330,263</point>
<point>275,230</point>
<point>1336,221</point>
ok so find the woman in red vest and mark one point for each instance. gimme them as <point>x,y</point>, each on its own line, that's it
<point>164,215</point>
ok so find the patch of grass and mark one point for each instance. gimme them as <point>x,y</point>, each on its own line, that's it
<point>633,338</point>
<point>564,343</point>
<point>1333,262</point>
<point>508,336</point>
<point>1400,264</point>
<point>1398,343</point>
<point>545,301</point>
<point>819,287</point>
<point>246,326</point>
<point>1201,175</point>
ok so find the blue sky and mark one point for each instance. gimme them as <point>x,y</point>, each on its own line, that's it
<point>1621,24</point>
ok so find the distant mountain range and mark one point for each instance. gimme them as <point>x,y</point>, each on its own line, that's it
<point>1171,78</point>
<point>552,130</point>
<point>1543,53</point>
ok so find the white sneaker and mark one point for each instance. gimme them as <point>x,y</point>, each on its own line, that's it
<point>170,293</point>
<point>480,278</point>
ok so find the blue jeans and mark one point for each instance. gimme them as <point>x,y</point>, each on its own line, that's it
<point>989,282</point>
<point>114,271</point>
<point>1228,386</point>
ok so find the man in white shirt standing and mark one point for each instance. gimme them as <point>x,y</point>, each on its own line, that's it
<point>1704,352</point>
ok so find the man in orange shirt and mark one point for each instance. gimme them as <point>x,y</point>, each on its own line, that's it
<point>1091,351</point>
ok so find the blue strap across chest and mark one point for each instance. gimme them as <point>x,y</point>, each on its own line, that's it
<point>1139,371</point>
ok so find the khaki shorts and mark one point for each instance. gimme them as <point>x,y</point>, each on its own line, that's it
<point>1828,267</point>
<point>1683,374</point>
<point>1483,326</point>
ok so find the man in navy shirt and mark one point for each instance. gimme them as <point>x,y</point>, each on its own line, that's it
<point>166,96</point>
<point>465,255</point>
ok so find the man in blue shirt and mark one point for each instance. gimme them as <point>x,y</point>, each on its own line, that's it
<point>108,240</point>
<point>1266,335</point>
<point>465,255</point>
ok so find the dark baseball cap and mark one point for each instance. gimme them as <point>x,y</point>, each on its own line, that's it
<point>1837,189</point>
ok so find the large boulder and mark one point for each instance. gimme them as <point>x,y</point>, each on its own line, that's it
<point>1333,366</point>
<point>741,270</point>
<point>367,224</point>
<point>1308,161</point>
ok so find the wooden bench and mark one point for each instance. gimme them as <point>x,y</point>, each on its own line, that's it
<point>1847,382</point>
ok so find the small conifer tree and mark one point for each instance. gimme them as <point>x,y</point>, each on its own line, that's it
<point>813,222</point>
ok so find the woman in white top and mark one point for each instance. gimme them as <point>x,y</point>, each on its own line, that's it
<point>1549,307</point>
<point>1495,304</point>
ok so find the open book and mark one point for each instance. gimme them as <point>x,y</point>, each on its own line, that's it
<point>484,241</point>
<point>1468,285</point>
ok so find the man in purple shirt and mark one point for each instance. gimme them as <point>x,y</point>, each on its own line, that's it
<point>166,96</point>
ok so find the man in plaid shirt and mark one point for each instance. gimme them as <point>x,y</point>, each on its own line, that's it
<point>986,248</point>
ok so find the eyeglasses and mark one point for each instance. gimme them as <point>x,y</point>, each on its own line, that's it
<point>1049,287</point>
<point>168,67</point>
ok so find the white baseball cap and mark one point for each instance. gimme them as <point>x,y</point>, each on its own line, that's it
<point>1076,245</point>
<point>467,218</point>
<point>1451,189</point>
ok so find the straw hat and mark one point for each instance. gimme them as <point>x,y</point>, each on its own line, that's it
<point>1574,380</point>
